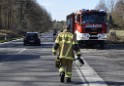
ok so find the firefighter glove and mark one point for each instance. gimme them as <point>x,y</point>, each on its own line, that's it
<point>80,60</point>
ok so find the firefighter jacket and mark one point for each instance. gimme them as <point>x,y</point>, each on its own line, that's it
<point>65,45</point>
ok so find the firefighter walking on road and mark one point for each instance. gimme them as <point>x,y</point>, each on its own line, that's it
<point>65,46</point>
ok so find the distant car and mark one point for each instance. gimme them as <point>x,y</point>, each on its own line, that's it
<point>32,38</point>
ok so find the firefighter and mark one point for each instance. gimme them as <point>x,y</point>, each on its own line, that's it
<point>65,46</point>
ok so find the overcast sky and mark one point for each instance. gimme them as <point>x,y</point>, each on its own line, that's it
<point>59,9</point>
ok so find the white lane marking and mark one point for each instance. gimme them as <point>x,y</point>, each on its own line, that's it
<point>21,51</point>
<point>90,76</point>
<point>81,77</point>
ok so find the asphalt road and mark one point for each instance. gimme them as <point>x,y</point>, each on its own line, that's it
<point>34,65</point>
<point>108,63</point>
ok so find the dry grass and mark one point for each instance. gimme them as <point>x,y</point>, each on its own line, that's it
<point>7,35</point>
<point>118,32</point>
<point>116,36</point>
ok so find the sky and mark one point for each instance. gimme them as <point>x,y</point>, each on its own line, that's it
<point>59,9</point>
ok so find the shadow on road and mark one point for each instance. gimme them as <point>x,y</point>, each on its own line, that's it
<point>115,83</point>
<point>112,83</point>
<point>107,47</point>
<point>77,83</point>
<point>6,58</point>
<point>46,45</point>
<point>115,46</point>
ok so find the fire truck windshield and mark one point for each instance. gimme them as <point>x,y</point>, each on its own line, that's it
<point>93,18</point>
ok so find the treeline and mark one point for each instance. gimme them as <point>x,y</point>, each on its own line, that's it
<point>23,15</point>
<point>115,10</point>
<point>59,25</point>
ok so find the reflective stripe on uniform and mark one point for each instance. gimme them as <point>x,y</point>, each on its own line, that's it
<point>57,41</point>
<point>78,53</point>
<point>68,74</point>
<point>74,42</point>
<point>61,69</point>
<point>66,34</point>
<point>63,36</point>
<point>69,42</point>
<point>66,41</point>
<point>53,50</point>
<point>68,50</point>
<point>69,57</point>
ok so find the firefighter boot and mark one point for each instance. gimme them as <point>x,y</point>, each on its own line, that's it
<point>62,77</point>
<point>68,79</point>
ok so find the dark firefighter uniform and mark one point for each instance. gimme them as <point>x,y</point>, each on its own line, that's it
<point>66,47</point>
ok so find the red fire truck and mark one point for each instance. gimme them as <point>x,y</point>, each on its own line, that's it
<point>89,26</point>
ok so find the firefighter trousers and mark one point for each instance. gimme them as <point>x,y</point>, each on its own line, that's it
<point>66,66</point>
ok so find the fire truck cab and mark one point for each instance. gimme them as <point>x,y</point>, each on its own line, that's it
<point>89,26</point>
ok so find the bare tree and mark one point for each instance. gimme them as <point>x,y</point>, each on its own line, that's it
<point>118,13</point>
<point>0,14</point>
<point>111,5</point>
<point>23,15</point>
<point>101,6</point>
<point>37,18</point>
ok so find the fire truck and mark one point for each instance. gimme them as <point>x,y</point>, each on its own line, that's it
<point>89,26</point>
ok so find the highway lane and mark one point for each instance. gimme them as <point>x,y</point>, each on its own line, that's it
<point>34,66</point>
<point>108,63</point>
<point>30,66</point>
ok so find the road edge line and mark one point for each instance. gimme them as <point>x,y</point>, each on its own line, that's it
<point>90,76</point>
